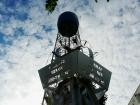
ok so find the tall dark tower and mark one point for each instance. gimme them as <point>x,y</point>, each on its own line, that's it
<point>73,77</point>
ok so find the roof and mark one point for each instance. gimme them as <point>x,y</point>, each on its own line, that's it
<point>135,100</point>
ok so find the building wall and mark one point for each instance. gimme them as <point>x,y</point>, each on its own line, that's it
<point>135,100</point>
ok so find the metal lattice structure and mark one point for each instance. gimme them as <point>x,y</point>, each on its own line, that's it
<point>73,77</point>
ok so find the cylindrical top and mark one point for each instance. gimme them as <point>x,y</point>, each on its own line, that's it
<point>68,24</point>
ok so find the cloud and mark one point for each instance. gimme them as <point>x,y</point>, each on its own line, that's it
<point>111,28</point>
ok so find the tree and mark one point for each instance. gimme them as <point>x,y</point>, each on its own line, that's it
<point>51,4</point>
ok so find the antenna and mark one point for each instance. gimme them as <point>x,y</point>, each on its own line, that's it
<point>72,77</point>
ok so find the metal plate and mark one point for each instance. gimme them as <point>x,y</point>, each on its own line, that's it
<point>75,63</point>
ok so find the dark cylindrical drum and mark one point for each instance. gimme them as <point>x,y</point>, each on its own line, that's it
<point>68,24</point>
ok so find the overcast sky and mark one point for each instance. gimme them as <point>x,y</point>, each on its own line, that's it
<point>28,32</point>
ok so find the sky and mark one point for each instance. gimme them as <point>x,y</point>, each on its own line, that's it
<point>28,33</point>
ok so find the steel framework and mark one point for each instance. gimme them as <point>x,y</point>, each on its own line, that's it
<point>73,77</point>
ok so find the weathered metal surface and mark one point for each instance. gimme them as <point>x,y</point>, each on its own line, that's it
<point>68,24</point>
<point>75,63</point>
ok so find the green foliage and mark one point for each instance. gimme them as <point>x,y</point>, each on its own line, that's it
<point>50,5</point>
